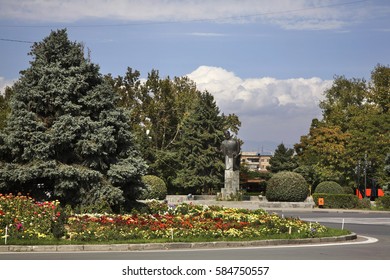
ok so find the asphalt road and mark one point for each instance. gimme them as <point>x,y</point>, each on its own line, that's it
<point>373,243</point>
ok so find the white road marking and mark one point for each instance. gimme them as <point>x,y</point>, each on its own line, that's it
<point>361,221</point>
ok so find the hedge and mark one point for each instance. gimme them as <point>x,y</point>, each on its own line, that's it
<point>346,201</point>
<point>329,187</point>
<point>383,202</point>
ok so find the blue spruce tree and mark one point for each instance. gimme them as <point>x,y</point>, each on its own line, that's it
<point>65,136</point>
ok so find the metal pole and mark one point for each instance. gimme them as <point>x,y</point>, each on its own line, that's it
<point>365,174</point>
<point>358,176</point>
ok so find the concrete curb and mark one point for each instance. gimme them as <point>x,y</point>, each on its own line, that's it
<point>173,245</point>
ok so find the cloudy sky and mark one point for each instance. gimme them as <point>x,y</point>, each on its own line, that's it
<point>269,62</point>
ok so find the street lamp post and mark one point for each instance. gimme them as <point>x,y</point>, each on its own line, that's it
<point>362,167</point>
<point>358,175</point>
<point>366,165</point>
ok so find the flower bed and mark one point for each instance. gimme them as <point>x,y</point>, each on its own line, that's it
<point>28,219</point>
<point>187,222</point>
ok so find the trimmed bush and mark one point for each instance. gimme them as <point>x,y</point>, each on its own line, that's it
<point>383,202</point>
<point>287,186</point>
<point>345,201</point>
<point>155,188</point>
<point>329,187</point>
<point>348,190</point>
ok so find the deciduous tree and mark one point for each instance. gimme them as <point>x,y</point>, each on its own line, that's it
<point>355,121</point>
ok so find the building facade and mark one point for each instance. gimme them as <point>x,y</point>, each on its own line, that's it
<point>255,161</point>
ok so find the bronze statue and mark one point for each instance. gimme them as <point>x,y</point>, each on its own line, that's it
<point>231,149</point>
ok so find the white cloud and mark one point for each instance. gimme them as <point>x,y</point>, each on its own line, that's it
<point>207,34</point>
<point>258,93</point>
<point>268,108</point>
<point>289,14</point>
<point>4,83</point>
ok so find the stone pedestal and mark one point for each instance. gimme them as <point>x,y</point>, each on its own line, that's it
<point>232,184</point>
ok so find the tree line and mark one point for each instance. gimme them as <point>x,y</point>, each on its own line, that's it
<point>352,139</point>
<point>70,133</point>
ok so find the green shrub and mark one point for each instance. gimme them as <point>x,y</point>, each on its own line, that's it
<point>329,187</point>
<point>287,186</point>
<point>155,188</point>
<point>346,201</point>
<point>383,202</point>
<point>58,225</point>
<point>348,190</point>
<point>364,203</point>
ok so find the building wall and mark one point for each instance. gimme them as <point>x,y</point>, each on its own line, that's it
<point>255,161</point>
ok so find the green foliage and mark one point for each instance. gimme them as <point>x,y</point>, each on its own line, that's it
<point>283,160</point>
<point>287,186</point>
<point>345,201</point>
<point>380,87</point>
<point>157,109</point>
<point>155,188</point>
<point>324,149</point>
<point>329,187</point>
<point>355,121</point>
<point>232,123</point>
<point>58,225</point>
<point>156,207</point>
<point>348,190</point>
<point>65,136</point>
<point>238,196</point>
<point>383,202</point>
<point>5,106</point>
<point>309,173</point>
<point>386,171</point>
<point>199,161</point>
<point>160,109</point>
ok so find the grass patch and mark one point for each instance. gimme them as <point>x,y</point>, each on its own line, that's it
<point>330,232</point>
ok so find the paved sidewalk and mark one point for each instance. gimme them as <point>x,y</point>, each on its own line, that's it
<point>275,206</point>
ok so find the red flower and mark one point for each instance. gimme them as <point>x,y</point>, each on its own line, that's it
<point>19,226</point>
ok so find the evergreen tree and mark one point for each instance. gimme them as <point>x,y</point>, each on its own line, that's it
<point>199,160</point>
<point>282,160</point>
<point>4,107</point>
<point>65,135</point>
<point>159,110</point>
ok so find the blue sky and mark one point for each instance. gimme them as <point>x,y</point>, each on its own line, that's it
<point>269,62</point>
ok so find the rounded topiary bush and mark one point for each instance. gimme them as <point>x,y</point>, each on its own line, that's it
<point>155,188</point>
<point>287,186</point>
<point>329,187</point>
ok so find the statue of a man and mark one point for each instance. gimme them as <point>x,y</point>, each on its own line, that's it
<point>231,149</point>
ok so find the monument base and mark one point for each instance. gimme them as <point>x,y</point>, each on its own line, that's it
<point>232,184</point>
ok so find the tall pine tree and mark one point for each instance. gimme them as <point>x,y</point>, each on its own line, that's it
<point>65,135</point>
<point>283,160</point>
<point>199,161</point>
